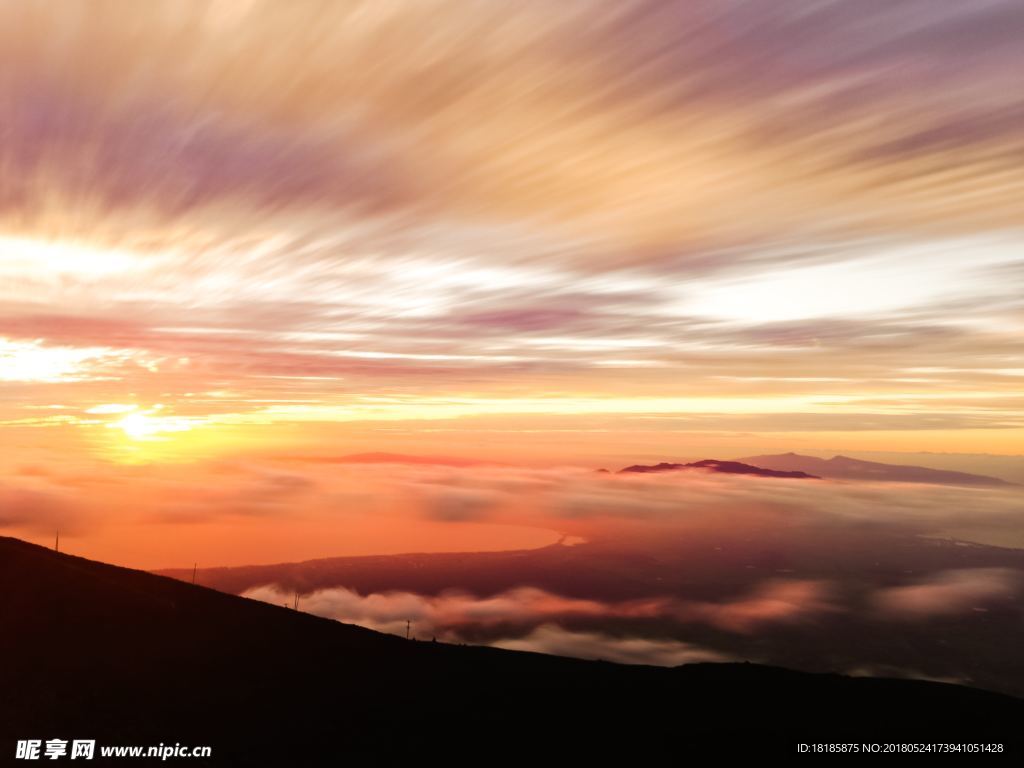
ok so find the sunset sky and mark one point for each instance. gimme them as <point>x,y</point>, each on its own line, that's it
<point>246,234</point>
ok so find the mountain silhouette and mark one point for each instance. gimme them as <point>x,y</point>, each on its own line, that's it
<point>715,465</point>
<point>94,651</point>
<point>845,468</point>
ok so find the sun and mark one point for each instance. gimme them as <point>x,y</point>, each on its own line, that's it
<point>134,435</point>
<point>143,425</point>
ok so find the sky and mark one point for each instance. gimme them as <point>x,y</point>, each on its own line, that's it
<point>579,233</point>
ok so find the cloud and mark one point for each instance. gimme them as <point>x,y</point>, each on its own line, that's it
<point>424,507</point>
<point>458,504</point>
<point>885,670</point>
<point>446,617</point>
<point>778,601</point>
<point>41,512</point>
<point>628,101</point>
<point>454,613</point>
<point>436,614</point>
<point>587,504</point>
<point>623,650</point>
<point>949,593</point>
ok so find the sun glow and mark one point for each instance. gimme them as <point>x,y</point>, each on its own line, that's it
<point>107,408</point>
<point>144,426</point>
<point>146,436</point>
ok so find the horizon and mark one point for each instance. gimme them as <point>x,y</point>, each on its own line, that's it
<point>285,508</point>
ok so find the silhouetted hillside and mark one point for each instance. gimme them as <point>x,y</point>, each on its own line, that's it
<point>714,465</point>
<point>717,566</point>
<point>95,651</point>
<point>845,468</point>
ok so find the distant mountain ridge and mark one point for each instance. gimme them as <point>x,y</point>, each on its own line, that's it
<point>846,468</point>
<point>716,465</point>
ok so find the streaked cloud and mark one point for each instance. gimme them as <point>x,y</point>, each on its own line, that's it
<point>950,593</point>
<point>453,613</point>
<point>623,650</point>
<point>731,209</point>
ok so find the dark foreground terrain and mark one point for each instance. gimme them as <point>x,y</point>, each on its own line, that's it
<point>92,651</point>
<point>976,642</point>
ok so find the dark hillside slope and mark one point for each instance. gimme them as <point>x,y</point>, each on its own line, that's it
<point>92,651</point>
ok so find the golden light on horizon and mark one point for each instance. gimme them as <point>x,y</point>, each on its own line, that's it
<point>146,426</point>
